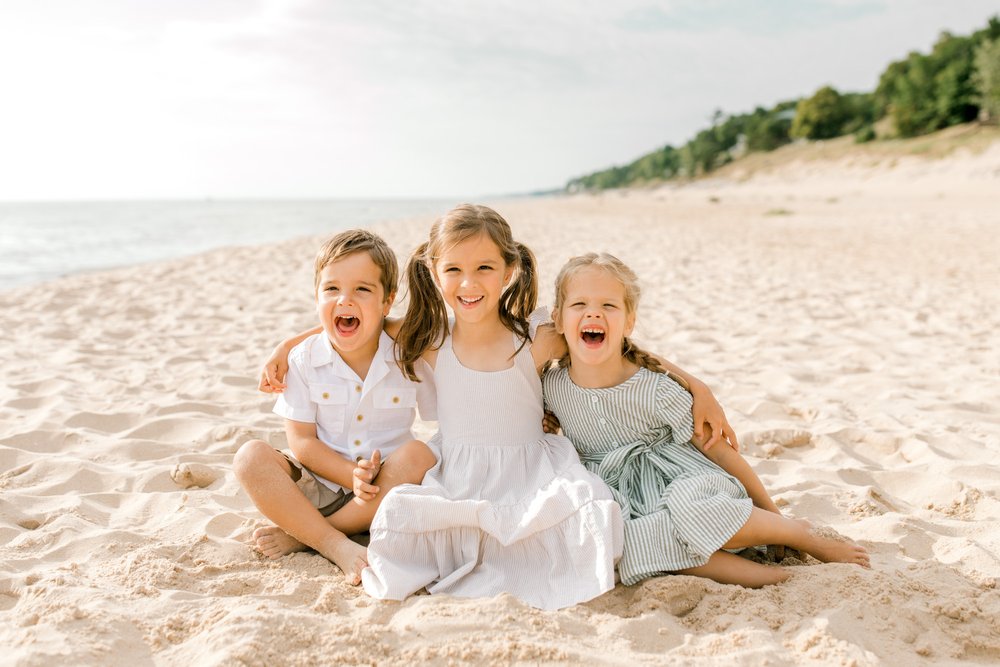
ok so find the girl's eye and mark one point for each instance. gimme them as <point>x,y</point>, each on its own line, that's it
<point>364,289</point>
<point>331,289</point>
<point>485,267</point>
<point>610,305</point>
<point>577,304</point>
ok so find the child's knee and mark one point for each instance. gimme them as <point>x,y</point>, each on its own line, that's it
<point>415,456</point>
<point>250,456</point>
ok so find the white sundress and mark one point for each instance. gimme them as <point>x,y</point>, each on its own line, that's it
<point>507,509</point>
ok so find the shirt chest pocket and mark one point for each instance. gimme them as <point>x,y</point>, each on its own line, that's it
<point>331,406</point>
<point>394,408</point>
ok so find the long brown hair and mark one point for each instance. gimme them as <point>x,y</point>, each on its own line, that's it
<point>426,321</point>
<point>618,270</point>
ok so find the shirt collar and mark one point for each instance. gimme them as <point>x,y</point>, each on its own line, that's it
<point>322,353</point>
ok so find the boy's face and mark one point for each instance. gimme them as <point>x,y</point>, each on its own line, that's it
<point>594,318</point>
<point>351,303</point>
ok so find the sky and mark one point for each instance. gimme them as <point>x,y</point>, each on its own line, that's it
<point>133,99</point>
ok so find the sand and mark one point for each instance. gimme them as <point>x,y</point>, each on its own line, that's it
<point>845,315</point>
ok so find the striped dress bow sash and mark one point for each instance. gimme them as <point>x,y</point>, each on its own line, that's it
<point>637,472</point>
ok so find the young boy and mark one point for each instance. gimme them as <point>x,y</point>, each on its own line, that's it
<point>345,400</point>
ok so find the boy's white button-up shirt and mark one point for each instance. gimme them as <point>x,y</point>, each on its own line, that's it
<point>354,417</point>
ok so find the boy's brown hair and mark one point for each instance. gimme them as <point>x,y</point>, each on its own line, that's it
<point>360,240</point>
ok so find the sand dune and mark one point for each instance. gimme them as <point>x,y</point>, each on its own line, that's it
<point>846,318</point>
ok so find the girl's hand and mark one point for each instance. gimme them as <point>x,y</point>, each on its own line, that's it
<point>364,474</point>
<point>272,376</point>
<point>708,412</point>
<point>550,423</point>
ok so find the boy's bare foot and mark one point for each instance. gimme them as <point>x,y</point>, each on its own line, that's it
<point>829,546</point>
<point>346,554</point>
<point>274,543</point>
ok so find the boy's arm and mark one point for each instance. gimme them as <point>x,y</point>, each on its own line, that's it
<point>706,410</point>
<point>272,376</point>
<point>730,460</point>
<point>313,454</point>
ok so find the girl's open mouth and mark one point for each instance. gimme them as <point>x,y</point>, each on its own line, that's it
<point>469,301</point>
<point>346,324</point>
<point>592,336</point>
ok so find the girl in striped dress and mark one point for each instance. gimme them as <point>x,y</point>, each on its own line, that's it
<point>631,424</point>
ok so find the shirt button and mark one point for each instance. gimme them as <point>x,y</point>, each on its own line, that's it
<point>357,443</point>
<point>326,394</point>
<point>603,421</point>
<point>360,417</point>
<point>593,399</point>
<point>395,399</point>
<point>357,388</point>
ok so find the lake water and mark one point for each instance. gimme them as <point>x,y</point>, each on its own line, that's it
<point>45,240</point>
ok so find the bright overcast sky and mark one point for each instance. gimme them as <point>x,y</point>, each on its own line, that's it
<point>328,98</point>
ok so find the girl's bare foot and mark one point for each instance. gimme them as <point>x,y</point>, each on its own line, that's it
<point>829,546</point>
<point>346,554</point>
<point>274,543</point>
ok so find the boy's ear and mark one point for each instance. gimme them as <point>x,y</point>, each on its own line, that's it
<point>387,306</point>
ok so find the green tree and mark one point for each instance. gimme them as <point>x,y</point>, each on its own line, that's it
<point>821,116</point>
<point>986,78</point>
<point>767,130</point>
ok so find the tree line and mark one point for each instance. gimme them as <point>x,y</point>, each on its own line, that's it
<point>957,82</point>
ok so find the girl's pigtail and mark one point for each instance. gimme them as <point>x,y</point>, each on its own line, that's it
<point>426,321</point>
<point>640,357</point>
<point>521,297</point>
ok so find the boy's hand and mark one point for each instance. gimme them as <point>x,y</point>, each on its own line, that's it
<point>272,376</point>
<point>364,474</point>
<point>550,423</point>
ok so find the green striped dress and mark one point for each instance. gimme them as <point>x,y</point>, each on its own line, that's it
<point>679,507</point>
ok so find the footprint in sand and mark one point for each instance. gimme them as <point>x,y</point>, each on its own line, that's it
<point>772,443</point>
<point>187,475</point>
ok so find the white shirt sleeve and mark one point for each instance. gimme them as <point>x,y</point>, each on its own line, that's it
<point>295,403</point>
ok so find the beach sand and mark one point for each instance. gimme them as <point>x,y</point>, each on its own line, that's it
<point>845,315</point>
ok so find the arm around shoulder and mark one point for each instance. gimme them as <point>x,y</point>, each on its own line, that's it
<point>547,345</point>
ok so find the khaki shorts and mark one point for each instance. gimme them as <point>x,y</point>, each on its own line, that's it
<point>323,498</point>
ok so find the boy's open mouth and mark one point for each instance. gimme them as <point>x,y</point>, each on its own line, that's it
<point>469,300</point>
<point>346,324</point>
<point>592,336</point>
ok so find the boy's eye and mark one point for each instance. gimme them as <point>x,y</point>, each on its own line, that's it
<point>364,289</point>
<point>331,288</point>
<point>485,267</point>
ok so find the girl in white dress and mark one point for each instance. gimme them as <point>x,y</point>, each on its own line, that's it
<point>508,508</point>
